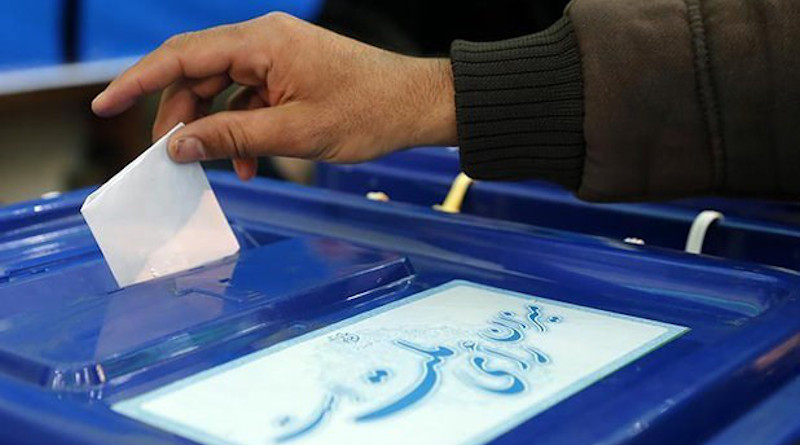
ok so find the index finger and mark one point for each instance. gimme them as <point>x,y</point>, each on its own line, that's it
<point>193,56</point>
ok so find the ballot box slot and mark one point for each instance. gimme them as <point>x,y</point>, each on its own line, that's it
<point>51,245</point>
<point>98,335</point>
<point>68,242</point>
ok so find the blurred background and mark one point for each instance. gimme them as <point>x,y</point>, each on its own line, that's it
<point>56,55</point>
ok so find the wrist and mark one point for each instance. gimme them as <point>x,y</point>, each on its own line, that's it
<point>434,111</point>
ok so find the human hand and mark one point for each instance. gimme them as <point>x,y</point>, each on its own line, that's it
<point>304,92</point>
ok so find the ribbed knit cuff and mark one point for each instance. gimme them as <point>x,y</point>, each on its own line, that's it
<point>519,107</point>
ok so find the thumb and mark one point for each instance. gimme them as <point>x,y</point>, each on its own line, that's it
<point>236,134</point>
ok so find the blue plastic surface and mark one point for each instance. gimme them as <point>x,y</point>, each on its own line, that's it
<point>775,421</point>
<point>131,28</point>
<point>758,231</point>
<point>71,343</point>
<point>30,33</point>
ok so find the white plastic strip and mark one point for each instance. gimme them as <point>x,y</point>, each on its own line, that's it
<point>697,233</point>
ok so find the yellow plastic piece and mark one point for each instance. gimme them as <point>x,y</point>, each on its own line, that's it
<point>455,197</point>
<point>378,196</point>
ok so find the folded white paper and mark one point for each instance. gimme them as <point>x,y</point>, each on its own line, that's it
<point>157,217</point>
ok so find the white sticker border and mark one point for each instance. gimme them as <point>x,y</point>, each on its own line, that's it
<point>132,407</point>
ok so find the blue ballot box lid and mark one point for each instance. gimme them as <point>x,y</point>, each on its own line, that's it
<point>344,317</point>
<point>750,230</point>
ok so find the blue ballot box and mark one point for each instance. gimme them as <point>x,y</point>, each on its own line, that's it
<point>31,33</point>
<point>344,320</point>
<point>758,231</point>
<point>132,28</point>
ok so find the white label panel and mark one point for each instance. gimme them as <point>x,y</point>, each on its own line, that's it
<point>460,363</point>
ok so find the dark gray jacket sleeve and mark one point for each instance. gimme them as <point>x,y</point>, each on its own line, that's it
<point>633,100</point>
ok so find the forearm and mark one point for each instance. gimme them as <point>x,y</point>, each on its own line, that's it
<point>670,100</point>
<point>520,107</point>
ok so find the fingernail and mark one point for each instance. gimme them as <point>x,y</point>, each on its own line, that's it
<point>189,149</point>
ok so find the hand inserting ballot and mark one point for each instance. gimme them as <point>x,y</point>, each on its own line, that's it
<point>303,92</point>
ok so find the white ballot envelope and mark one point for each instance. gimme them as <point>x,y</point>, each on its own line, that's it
<point>157,217</point>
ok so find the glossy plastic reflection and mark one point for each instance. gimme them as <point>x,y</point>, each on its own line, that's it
<point>71,343</point>
<point>103,335</point>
